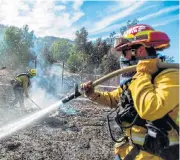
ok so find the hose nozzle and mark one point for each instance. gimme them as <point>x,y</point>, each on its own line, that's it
<point>72,96</point>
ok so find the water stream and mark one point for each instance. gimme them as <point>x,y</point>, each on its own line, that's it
<point>17,125</point>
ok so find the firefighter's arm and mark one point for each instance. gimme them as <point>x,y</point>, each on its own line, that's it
<point>154,100</point>
<point>110,99</point>
<point>25,85</point>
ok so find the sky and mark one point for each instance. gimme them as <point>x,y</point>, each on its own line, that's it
<point>64,17</point>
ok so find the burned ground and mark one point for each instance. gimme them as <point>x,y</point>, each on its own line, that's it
<point>79,134</point>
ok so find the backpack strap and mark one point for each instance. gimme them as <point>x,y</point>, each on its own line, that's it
<point>174,125</point>
<point>23,74</point>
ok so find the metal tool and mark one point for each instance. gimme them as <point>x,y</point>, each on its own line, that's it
<point>34,103</point>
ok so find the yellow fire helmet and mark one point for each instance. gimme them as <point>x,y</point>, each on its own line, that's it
<point>32,72</point>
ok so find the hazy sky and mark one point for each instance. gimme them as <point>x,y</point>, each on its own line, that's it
<point>62,18</point>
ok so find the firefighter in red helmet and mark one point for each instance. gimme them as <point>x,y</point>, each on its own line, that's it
<point>147,99</point>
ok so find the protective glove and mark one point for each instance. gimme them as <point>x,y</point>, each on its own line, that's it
<point>88,88</point>
<point>147,66</point>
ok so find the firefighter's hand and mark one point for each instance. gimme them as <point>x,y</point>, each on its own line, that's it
<point>147,66</point>
<point>88,88</point>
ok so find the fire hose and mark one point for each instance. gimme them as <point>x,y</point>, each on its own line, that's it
<point>77,93</point>
<point>9,129</point>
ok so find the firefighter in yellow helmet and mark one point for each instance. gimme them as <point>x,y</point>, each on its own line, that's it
<point>20,86</point>
<point>148,99</point>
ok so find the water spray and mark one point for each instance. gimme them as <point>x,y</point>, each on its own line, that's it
<point>11,128</point>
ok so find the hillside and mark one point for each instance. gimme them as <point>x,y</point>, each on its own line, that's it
<point>38,41</point>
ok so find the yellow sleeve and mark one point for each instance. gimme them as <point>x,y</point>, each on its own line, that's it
<point>154,100</point>
<point>25,84</point>
<point>110,99</point>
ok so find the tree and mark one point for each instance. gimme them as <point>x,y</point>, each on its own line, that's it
<point>2,31</point>
<point>13,38</point>
<point>86,48</point>
<point>75,61</point>
<point>130,23</point>
<point>3,56</point>
<point>45,57</point>
<point>169,59</point>
<point>101,48</point>
<point>26,43</point>
<point>112,38</point>
<point>109,61</point>
<point>81,40</point>
<point>109,64</point>
<point>60,50</point>
<point>18,44</point>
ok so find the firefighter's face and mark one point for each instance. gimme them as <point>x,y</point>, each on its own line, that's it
<point>128,54</point>
<point>139,52</point>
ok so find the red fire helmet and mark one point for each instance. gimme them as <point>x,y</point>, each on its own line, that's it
<point>144,35</point>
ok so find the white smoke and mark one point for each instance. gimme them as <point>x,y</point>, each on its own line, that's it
<point>47,88</point>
